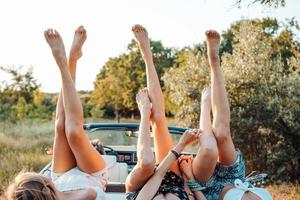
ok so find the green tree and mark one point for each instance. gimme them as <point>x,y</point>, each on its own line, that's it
<point>184,83</point>
<point>22,84</point>
<point>21,98</point>
<point>262,84</point>
<point>264,101</point>
<point>122,77</point>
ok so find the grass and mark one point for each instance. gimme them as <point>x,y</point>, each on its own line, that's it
<point>285,191</point>
<point>22,146</point>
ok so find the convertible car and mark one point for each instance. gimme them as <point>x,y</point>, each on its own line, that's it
<point>120,141</point>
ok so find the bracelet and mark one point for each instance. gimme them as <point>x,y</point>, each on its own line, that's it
<point>177,155</point>
<point>195,185</point>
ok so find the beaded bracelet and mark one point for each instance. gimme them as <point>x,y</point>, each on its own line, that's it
<point>195,185</point>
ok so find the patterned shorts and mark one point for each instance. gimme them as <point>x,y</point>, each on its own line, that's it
<point>224,175</point>
<point>172,183</point>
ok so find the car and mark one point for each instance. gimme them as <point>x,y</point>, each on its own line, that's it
<point>120,154</point>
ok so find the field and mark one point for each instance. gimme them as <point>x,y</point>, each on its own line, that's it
<point>23,147</point>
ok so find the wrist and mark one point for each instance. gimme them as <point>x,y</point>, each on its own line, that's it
<point>180,146</point>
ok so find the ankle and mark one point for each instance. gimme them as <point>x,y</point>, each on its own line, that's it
<point>213,57</point>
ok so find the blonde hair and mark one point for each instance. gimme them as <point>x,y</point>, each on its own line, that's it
<point>30,185</point>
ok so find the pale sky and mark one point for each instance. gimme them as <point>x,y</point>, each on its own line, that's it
<point>177,23</point>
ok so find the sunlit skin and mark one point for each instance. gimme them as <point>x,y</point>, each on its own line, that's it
<point>220,109</point>
<point>163,142</point>
<point>64,157</point>
<point>214,97</point>
<point>151,186</point>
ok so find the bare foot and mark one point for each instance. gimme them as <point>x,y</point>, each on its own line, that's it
<point>57,46</point>
<point>141,36</point>
<point>206,95</point>
<point>143,101</point>
<point>78,41</point>
<point>213,44</point>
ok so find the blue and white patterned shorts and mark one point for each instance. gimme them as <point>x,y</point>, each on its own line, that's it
<point>224,175</point>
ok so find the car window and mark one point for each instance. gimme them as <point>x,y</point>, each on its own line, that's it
<point>125,138</point>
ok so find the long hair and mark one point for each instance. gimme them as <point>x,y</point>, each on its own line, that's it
<point>29,186</point>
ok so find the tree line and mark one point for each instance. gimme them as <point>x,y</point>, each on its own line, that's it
<point>260,59</point>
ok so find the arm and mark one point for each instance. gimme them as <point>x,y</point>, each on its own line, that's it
<point>152,185</point>
<point>186,169</point>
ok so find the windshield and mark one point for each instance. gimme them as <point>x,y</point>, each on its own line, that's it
<point>122,138</point>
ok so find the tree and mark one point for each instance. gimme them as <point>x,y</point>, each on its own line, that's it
<point>184,83</point>
<point>275,3</point>
<point>263,96</point>
<point>23,84</point>
<point>122,77</point>
<point>21,98</point>
<point>262,85</point>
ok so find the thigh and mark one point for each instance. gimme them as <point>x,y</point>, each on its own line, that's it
<point>63,158</point>
<point>137,178</point>
<point>227,152</point>
<point>159,197</point>
<point>170,196</point>
<point>206,159</point>
<point>163,143</point>
<point>88,159</point>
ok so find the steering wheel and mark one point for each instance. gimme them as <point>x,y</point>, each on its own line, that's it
<point>110,151</point>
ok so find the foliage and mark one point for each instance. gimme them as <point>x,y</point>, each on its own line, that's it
<point>185,83</point>
<point>261,64</point>
<point>21,98</point>
<point>275,3</point>
<point>122,77</point>
<point>264,102</point>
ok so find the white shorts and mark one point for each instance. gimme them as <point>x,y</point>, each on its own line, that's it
<point>75,179</point>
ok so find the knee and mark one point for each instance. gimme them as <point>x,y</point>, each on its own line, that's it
<point>209,152</point>
<point>158,118</point>
<point>74,133</point>
<point>146,160</point>
<point>60,127</point>
<point>222,134</point>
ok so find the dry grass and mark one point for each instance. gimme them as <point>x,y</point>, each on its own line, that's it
<point>285,191</point>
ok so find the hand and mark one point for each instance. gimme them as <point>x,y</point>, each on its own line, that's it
<point>185,164</point>
<point>189,136</point>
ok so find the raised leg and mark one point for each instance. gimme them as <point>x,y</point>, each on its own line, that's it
<point>220,104</point>
<point>163,142</point>
<point>206,159</point>
<point>87,158</point>
<point>63,158</point>
<point>146,163</point>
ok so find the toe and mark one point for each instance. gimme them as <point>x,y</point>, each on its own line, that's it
<point>83,30</point>
<point>46,35</point>
<point>137,97</point>
<point>134,27</point>
<point>56,34</point>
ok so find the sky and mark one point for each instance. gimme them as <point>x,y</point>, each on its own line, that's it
<point>177,23</point>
